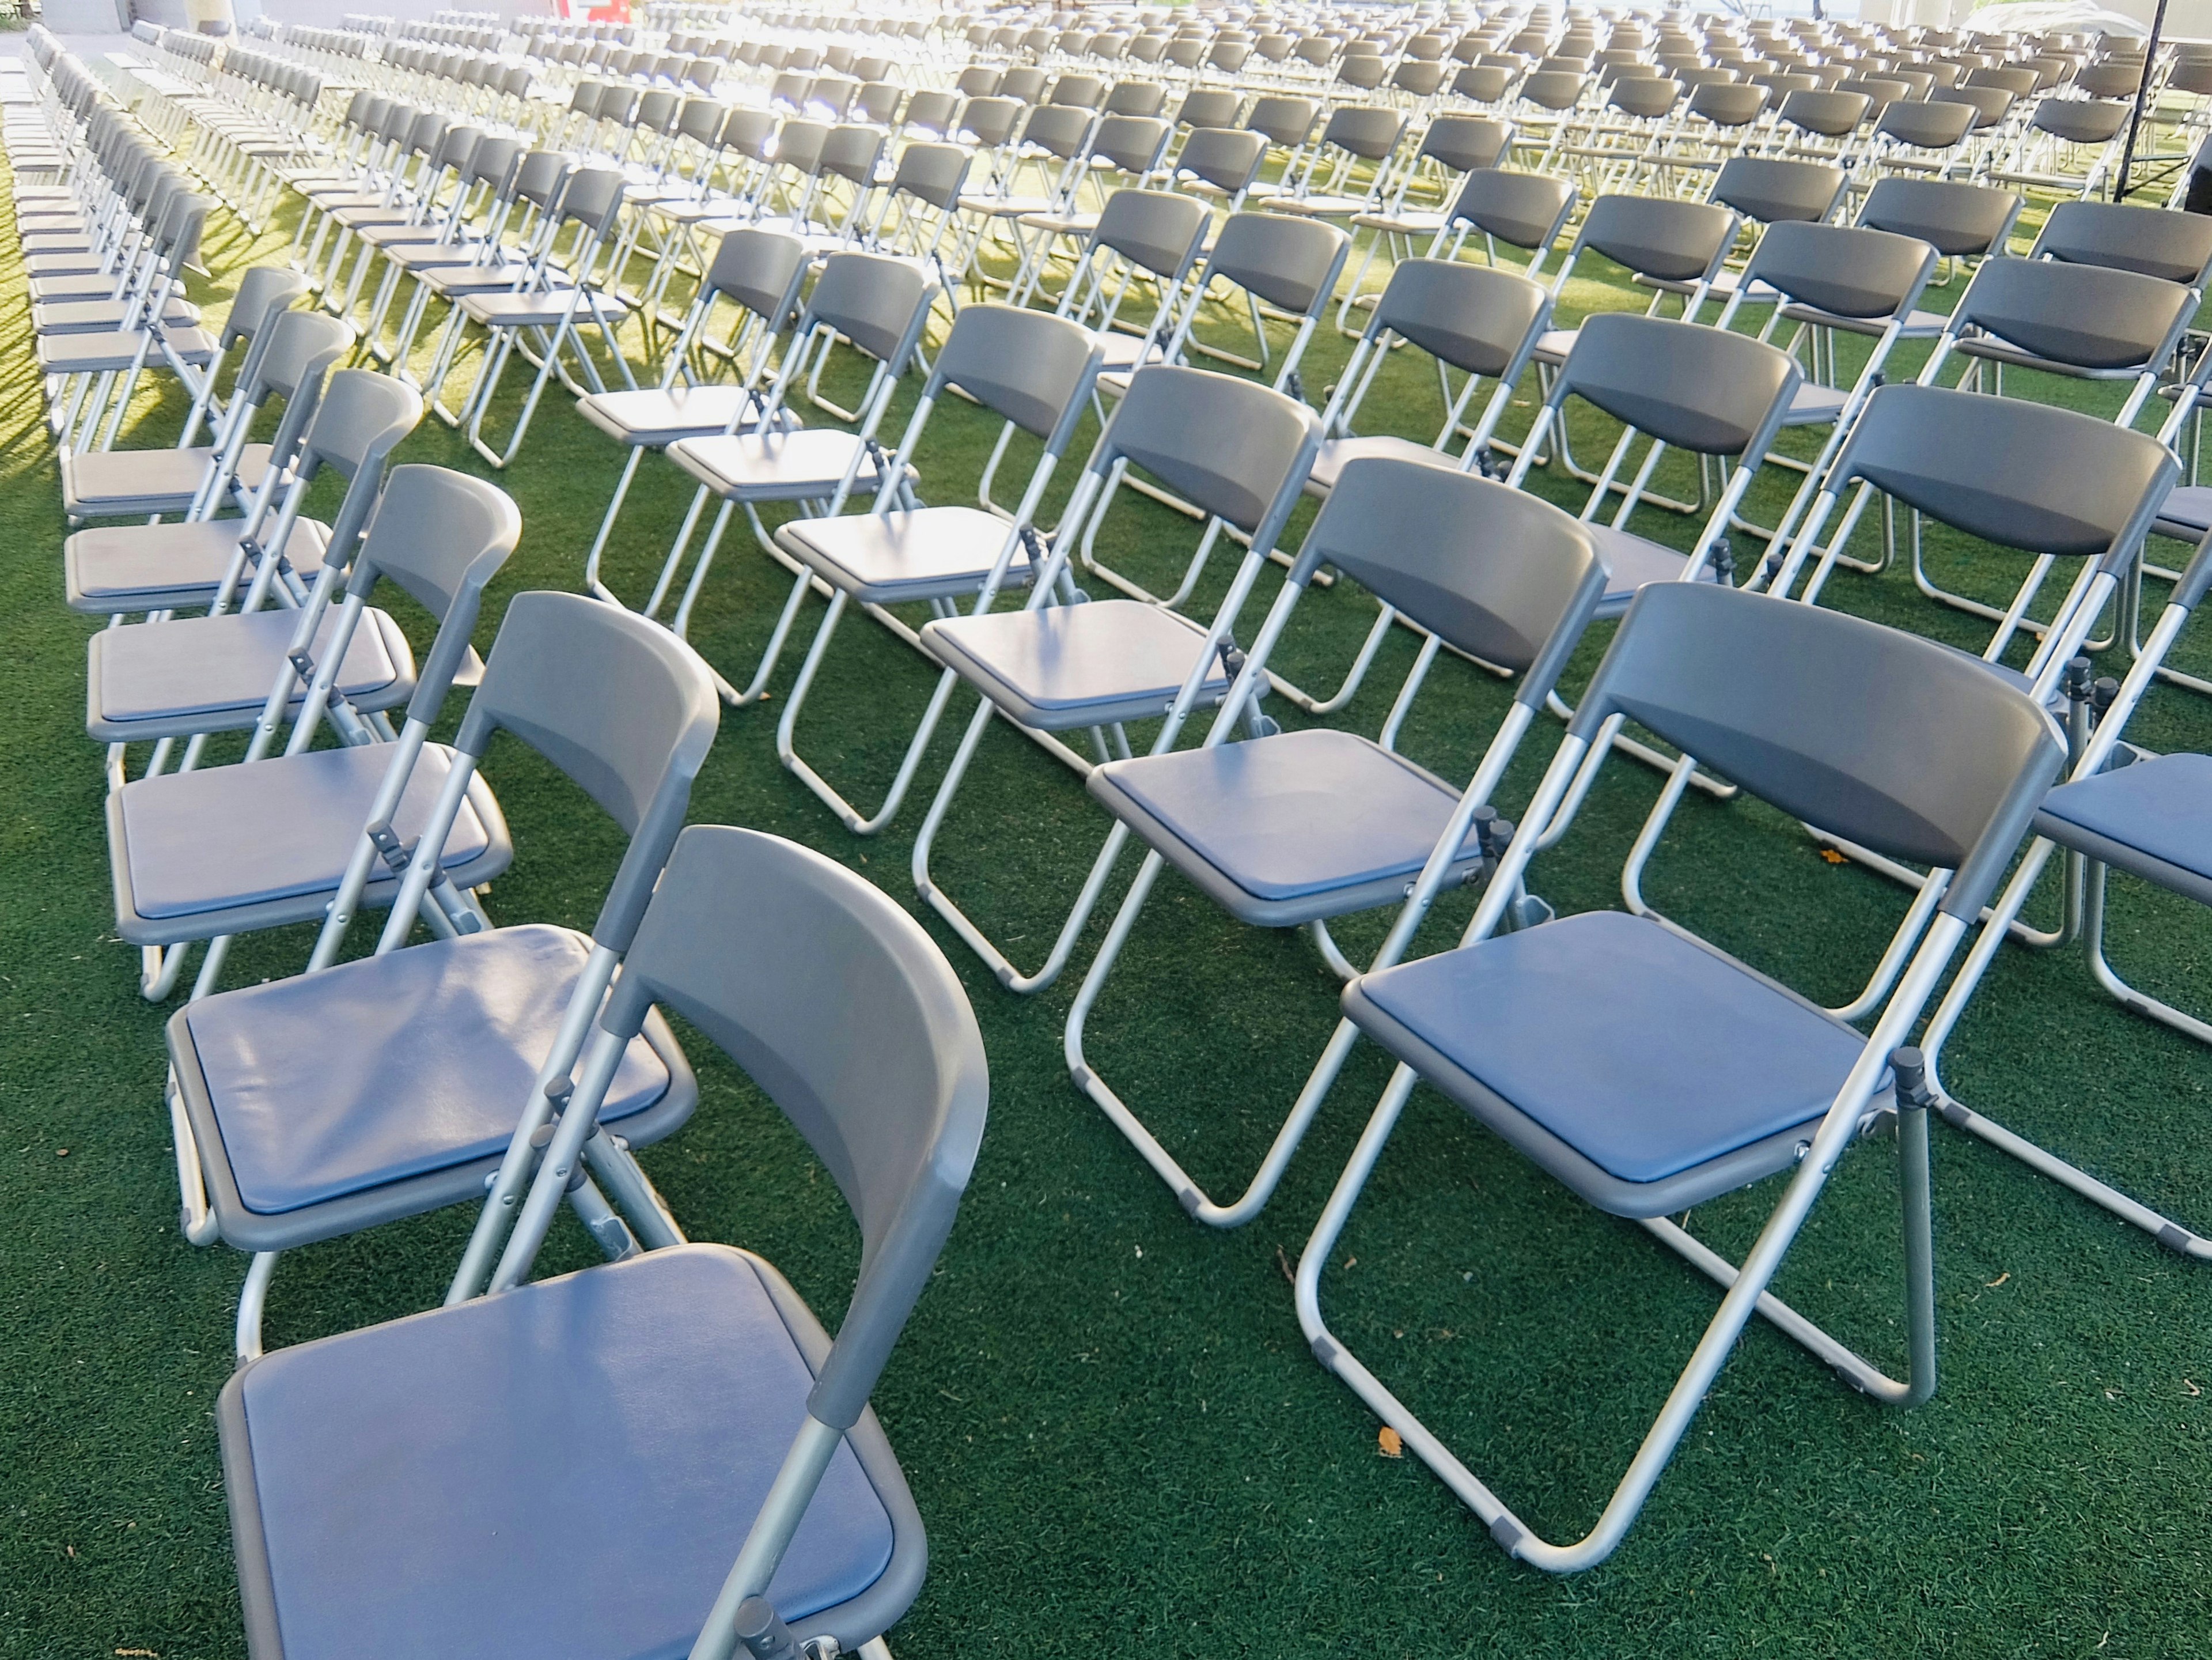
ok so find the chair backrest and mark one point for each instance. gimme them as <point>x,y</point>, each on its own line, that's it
<point>264,292</point>
<point>1234,448</point>
<point>1157,231</point>
<point>2090,317</point>
<point>1228,158</point>
<point>846,1014</point>
<point>1059,130</point>
<point>1477,319</point>
<point>876,302</point>
<point>1369,132</point>
<point>1769,189</point>
<point>1524,210</point>
<point>2177,247</point>
<point>2081,120</point>
<point>851,152</point>
<point>990,122</point>
<point>2022,475</point>
<point>1730,103</point>
<point>538,178</point>
<point>1482,83</point>
<point>302,347</point>
<point>1291,263</point>
<point>1926,125</point>
<point>359,422</point>
<point>1285,120</point>
<point>593,198</point>
<point>760,270</point>
<point>1868,734</point>
<point>1464,143</point>
<point>1706,390</point>
<point>1029,367</point>
<point>1495,572</point>
<point>1656,236</point>
<point>1847,271</point>
<point>1957,220</point>
<point>1825,114</point>
<point>1130,143</point>
<point>441,536</point>
<point>620,705</point>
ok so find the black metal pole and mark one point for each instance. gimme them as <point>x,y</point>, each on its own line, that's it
<point>2143,97</point>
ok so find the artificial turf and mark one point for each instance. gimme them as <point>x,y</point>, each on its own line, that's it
<point>1109,1419</point>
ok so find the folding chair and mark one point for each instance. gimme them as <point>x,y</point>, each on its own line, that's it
<point>1034,371</point>
<point>1147,238</point>
<point>757,271</point>
<point>226,851</point>
<point>693,1395</point>
<point>1647,1071</point>
<point>2174,246</point>
<point>303,1100</point>
<point>2120,808</point>
<point>189,677</point>
<point>1288,829</point>
<point>1453,147</point>
<point>1223,162</point>
<point>880,305</point>
<point>1525,210</point>
<point>1236,451</point>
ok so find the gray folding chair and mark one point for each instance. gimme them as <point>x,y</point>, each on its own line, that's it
<point>1240,454</point>
<point>1525,210</point>
<point>1647,1071</point>
<point>389,1087</point>
<point>1288,829</point>
<point>878,305</point>
<point>1220,160</point>
<point>693,1398</point>
<point>1034,370</point>
<point>244,666</point>
<point>226,850</point>
<point>1452,147</point>
<point>2175,246</point>
<point>2122,809</point>
<point>1143,239</point>
<point>759,272</point>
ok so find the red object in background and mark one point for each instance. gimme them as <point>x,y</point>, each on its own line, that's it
<point>618,12</point>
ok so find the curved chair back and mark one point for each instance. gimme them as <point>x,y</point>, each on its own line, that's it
<point>1235,449</point>
<point>1706,390</point>
<point>1479,320</point>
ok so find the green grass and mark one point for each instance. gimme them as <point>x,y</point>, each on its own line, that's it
<point>1107,1413</point>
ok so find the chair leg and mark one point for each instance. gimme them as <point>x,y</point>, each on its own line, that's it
<point>251,1301</point>
<point>1745,1295</point>
<point>195,1220</point>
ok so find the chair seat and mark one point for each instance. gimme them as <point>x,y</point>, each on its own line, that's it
<point>934,553</point>
<point>82,262</point>
<point>544,309</point>
<point>449,277</point>
<point>213,673</point>
<point>2153,819</point>
<point>564,1471</point>
<point>114,569</point>
<point>408,233</point>
<point>2186,513</point>
<point>1323,206</point>
<point>1645,1070</point>
<point>72,285</point>
<point>1060,224</point>
<point>1630,562</point>
<point>230,848</point>
<point>775,466</point>
<point>1007,207</point>
<point>661,416</point>
<point>1067,667</point>
<point>1335,452</point>
<point>1918,324</point>
<point>116,351</point>
<point>356,1082</point>
<point>1553,345</point>
<point>109,484</point>
<point>102,316</point>
<point>1815,405</point>
<point>1409,223</point>
<point>1280,831</point>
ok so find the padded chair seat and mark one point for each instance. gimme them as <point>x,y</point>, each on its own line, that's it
<point>775,466</point>
<point>1646,1071</point>
<point>659,416</point>
<point>542,309</point>
<point>102,316</point>
<point>934,553</point>
<point>88,354</point>
<point>1918,324</point>
<point>1007,207</point>
<point>1412,222</point>
<point>1814,405</point>
<point>250,847</point>
<point>1336,452</point>
<point>2153,819</point>
<point>82,263</point>
<point>449,277</point>
<point>1630,562</point>
<point>1279,830</point>
<point>2186,513</point>
<point>1553,345</point>
<point>213,673</point>
<point>1067,667</point>
<point>412,235</point>
<point>563,1471</point>
<point>72,285</point>
<point>1323,206</point>
<point>355,1082</point>
<point>108,483</point>
<point>112,569</point>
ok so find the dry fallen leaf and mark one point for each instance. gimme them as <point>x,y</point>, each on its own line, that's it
<point>2190,1387</point>
<point>143,1654</point>
<point>1999,1280</point>
<point>1831,856</point>
<point>1388,1442</point>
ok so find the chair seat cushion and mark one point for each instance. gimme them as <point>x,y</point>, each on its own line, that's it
<point>1815,405</point>
<point>102,316</point>
<point>1408,222</point>
<point>115,569</point>
<point>661,416</point>
<point>1553,344</point>
<point>1324,206</point>
<point>774,467</point>
<point>1067,667</point>
<point>1653,1070</point>
<point>411,235</point>
<point>564,1470</point>
<point>1630,562</point>
<point>213,673</point>
<point>2153,819</point>
<point>108,483</point>
<point>99,353</point>
<point>365,1074</point>
<point>274,836</point>
<point>542,309</point>
<point>1279,830</point>
<point>934,553</point>
<point>1918,324</point>
<point>2186,513</point>
<point>1330,460</point>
